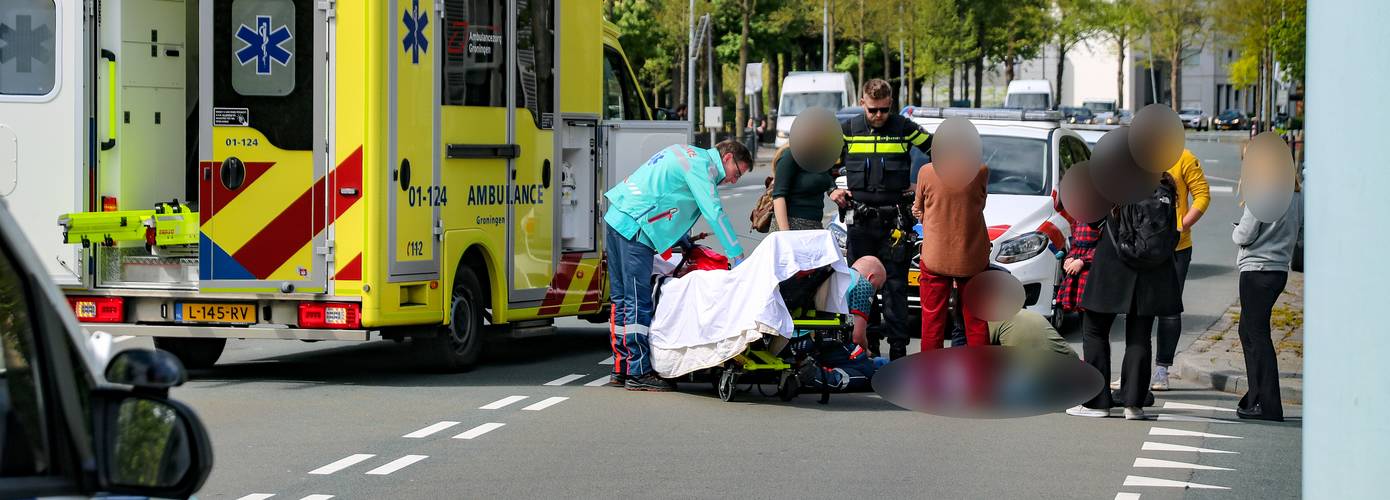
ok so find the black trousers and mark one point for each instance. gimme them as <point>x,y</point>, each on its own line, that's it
<point>1258,291</point>
<point>1095,343</point>
<point>871,234</point>
<point>1170,327</point>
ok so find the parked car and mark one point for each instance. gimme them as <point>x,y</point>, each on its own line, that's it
<point>1231,119</point>
<point>66,428</point>
<point>1121,117</point>
<point>1027,154</point>
<point>1078,115</point>
<point>1194,119</point>
<point>846,113</point>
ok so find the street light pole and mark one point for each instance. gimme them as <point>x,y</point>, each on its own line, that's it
<point>690,73</point>
<point>825,35</point>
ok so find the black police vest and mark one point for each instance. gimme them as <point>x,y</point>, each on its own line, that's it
<point>878,165</point>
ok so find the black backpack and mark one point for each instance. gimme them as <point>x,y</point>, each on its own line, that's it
<point>1146,233</point>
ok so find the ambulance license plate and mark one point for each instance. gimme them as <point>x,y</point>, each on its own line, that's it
<point>912,276</point>
<point>215,313</point>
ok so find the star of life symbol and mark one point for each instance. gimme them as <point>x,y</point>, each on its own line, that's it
<point>415,23</point>
<point>263,45</point>
<point>24,44</point>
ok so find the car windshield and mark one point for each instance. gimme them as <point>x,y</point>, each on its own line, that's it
<point>1016,165</point>
<point>1230,114</point>
<point>1027,101</point>
<point>1190,112</point>
<point>1100,107</point>
<point>794,104</point>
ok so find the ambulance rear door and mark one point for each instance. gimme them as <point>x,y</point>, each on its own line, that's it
<point>45,134</point>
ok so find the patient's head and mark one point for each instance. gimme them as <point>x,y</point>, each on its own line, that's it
<point>872,268</point>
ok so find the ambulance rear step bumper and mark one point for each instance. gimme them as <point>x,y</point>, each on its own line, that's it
<point>223,332</point>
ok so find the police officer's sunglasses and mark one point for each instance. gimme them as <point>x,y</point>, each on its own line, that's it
<point>878,111</point>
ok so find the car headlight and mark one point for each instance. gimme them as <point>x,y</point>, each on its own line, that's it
<point>1022,248</point>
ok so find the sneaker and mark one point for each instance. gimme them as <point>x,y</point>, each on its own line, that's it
<point>649,382</point>
<point>617,380</point>
<point>1082,411</point>
<point>1160,382</point>
<point>1115,384</point>
<point>1135,413</point>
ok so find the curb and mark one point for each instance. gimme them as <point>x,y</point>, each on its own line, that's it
<point>1228,378</point>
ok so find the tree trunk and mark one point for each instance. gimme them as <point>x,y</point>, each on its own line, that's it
<point>830,32</point>
<point>1008,70</point>
<point>1175,78</point>
<point>774,86</point>
<point>887,63</point>
<point>979,78</point>
<point>740,101</point>
<point>1120,76</point>
<point>950,88</point>
<point>912,67</point>
<point>1061,69</point>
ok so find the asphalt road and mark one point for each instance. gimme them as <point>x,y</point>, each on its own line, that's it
<point>290,420</point>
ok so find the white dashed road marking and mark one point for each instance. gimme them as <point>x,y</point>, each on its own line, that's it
<point>1126,496</point>
<point>565,379</point>
<point>397,464</point>
<point>1187,418</point>
<point>1164,431</point>
<point>257,496</point>
<point>1168,464</point>
<point>317,497</point>
<point>479,430</point>
<point>608,361</point>
<point>1170,405</point>
<point>431,430</point>
<point>349,461</point>
<point>122,338</point>
<point>1165,483</point>
<point>545,403</point>
<point>598,382</point>
<point>501,403</point>
<point>1152,446</point>
<point>1221,189</point>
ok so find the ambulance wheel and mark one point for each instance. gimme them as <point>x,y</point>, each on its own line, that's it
<point>456,348</point>
<point>788,387</point>
<point>726,385</point>
<point>194,353</point>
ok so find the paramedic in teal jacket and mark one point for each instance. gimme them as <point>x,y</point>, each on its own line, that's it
<point>649,212</point>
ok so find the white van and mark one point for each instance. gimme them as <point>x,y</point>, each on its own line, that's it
<point>804,90</point>
<point>1029,94</point>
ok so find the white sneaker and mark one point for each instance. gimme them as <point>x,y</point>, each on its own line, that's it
<point>1082,411</point>
<point>1115,384</point>
<point>1135,413</point>
<point>1160,382</point>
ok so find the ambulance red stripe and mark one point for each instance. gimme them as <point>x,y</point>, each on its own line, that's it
<point>278,241</point>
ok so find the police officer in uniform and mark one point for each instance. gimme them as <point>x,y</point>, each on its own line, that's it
<point>877,164</point>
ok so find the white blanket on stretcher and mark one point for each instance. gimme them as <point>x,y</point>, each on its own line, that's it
<point>707,317</point>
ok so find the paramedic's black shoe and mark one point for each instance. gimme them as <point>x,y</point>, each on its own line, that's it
<point>1256,413</point>
<point>897,351</point>
<point>649,382</point>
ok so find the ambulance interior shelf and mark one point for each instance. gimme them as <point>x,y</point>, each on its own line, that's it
<point>168,224</point>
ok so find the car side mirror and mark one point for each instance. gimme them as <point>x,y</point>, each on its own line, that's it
<point>146,369</point>
<point>150,446</point>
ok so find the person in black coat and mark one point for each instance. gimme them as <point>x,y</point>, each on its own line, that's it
<point>1141,293</point>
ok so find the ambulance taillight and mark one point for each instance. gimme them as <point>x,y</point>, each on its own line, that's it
<point>330,315</point>
<point>98,309</point>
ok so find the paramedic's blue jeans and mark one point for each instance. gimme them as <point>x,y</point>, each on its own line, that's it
<point>630,290</point>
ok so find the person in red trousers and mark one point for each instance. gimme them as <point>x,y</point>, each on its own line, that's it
<point>955,248</point>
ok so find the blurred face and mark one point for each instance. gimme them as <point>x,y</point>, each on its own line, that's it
<point>733,170</point>
<point>876,110</point>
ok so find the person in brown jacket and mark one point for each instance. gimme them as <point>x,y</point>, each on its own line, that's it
<point>955,247</point>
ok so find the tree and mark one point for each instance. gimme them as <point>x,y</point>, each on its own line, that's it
<point>1017,33</point>
<point>1260,28</point>
<point>1073,21</point>
<point>942,40</point>
<point>1120,21</point>
<point>1177,27</point>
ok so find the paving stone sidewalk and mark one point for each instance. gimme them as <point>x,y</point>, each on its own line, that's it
<point>1216,360</point>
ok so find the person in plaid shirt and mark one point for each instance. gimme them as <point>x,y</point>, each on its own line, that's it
<point>1077,265</point>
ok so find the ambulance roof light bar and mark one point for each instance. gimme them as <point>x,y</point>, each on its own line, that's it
<point>1029,115</point>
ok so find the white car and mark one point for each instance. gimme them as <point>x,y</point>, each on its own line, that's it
<point>1027,153</point>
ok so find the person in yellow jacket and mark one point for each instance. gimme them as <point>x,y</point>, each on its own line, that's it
<point>1193,198</point>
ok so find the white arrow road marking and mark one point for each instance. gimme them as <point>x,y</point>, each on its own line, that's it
<point>1168,464</point>
<point>1165,483</point>
<point>1187,418</point>
<point>1164,431</point>
<point>431,429</point>
<point>608,361</point>
<point>479,430</point>
<point>1170,405</point>
<point>257,496</point>
<point>501,403</point>
<point>565,379</point>
<point>545,403</point>
<point>598,382</point>
<point>1152,446</point>
<point>397,464</point>
<point>344,463</point>
<point>1126,496</point>
<point>1221,189</point>
<point>317,497</point>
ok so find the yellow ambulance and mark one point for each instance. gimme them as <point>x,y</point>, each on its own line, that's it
<point>418,170</point>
